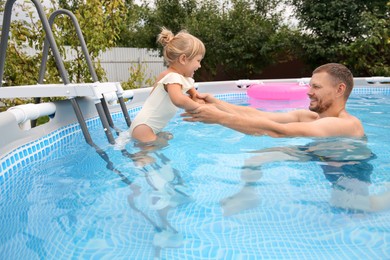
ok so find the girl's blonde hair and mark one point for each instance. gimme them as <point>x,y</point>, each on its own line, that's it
<point>181,43</point>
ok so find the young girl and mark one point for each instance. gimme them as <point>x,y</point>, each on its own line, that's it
<point>174,89</point>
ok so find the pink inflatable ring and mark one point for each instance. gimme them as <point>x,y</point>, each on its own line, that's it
<point>278,91</point>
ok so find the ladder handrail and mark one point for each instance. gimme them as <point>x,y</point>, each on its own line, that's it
<point>46,45</point>
<point>60,65</point>
<point>89,63</point>
<point>49,35</point>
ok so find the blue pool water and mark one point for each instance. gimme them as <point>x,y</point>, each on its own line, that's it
<point>205,197</point>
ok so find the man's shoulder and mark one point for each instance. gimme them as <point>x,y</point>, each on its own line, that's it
<point>346,124</point>
<point>350,117</point>
<point>357,124</point>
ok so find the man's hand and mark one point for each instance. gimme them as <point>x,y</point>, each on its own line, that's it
<point>198,100</point>
<point>208,98</point>
<point>208,114</point>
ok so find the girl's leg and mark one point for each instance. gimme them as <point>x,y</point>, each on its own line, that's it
<point>143,134</point>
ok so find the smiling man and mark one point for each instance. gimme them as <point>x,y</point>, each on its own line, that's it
<point>330,87</point>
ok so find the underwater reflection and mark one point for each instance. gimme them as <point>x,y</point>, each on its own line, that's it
<point>271,105</point>
<point>345,162</point>
<point>167,188</point>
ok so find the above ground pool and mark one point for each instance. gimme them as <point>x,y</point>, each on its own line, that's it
<point>211,193</point>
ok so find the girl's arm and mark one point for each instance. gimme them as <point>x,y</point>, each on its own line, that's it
<point>180,100</point>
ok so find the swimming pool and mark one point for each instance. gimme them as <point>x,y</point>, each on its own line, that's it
<point>212,200</point>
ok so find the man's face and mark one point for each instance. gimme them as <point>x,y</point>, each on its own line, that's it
<point>321,93</point>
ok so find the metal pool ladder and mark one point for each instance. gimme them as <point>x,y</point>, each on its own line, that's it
<point>95,90</point>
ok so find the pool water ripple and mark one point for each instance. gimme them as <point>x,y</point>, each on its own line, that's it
<point>223,204</point>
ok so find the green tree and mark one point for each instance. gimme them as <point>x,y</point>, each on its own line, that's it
<point>330,26</point>
<point>100,22</point>
<point>133,23</point>
<point>145,20</point>
<point>21,66</point>
<point>241,36</point>
<point>244,39</point>
<point>369,54</point>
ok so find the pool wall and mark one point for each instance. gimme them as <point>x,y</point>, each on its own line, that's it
<point>18,147</point>
<point>13,136</point>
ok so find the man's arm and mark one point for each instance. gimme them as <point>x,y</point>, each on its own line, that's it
<point>324,127</point>
<point>292,116</point>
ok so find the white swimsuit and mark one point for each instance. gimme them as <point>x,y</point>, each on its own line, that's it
<point>158,108</point>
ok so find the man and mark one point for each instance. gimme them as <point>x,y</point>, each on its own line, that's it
<point>330,86</point>
<point>345,161</point>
